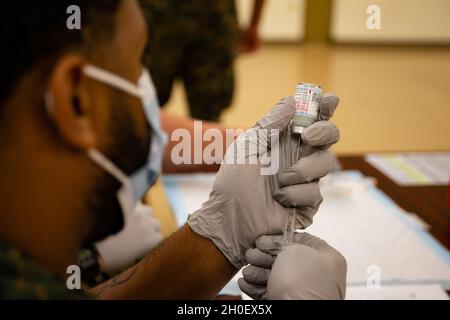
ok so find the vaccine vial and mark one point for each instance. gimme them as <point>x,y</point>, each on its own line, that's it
<point>307,100</point>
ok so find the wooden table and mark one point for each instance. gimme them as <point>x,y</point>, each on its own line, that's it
<point>428,202</point>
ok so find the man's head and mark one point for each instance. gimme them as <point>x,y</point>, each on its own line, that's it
<point>51,190</point>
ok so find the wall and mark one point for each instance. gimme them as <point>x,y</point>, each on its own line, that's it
<point>402,21</point>
<point>282,20</point>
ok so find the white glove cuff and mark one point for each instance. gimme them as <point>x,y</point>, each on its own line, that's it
<point>217,227</point>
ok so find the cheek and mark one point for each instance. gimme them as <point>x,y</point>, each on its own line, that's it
<point>140,122</point>
<point>99,110</point>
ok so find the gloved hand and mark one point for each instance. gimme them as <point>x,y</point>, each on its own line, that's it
<point>308,269</point>
<point>242,207</point>
<point>141,234</point>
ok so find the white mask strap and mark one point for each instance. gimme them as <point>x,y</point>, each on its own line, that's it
<point>92,153</point>
<point>112,79</point>
<point>107,165</point>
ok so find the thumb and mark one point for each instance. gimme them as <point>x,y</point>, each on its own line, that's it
<point>143,209</point>
<point>328,105</point>
<point>280,116</point>
<point>311,241</point>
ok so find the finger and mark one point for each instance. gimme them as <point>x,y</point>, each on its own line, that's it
<point>309,240</point>
<point>304,215</point>
<point>280,116</point>
<point>328,105</point>
<point>322,134</point>
<point>320,245</point>
<point>156,225</point>
<point>259,139</point>
<point>258,258</point>
<point>147,227</point>
<point>254,291</point>
<point>307,169</point>
<point>269,244</point>
<point>299,195</point>
<point>146,221</point>
<point>142,208</point>
<point>256,275</point>
<point>336,262</point>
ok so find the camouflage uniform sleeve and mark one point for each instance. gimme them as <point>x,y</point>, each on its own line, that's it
<point>23,279</point>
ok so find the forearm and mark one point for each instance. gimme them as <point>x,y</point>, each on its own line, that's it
<point>258,7</point>
<point>184,266</point>
<point>196,132</point>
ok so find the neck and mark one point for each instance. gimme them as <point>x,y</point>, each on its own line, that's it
<point>40,208</point>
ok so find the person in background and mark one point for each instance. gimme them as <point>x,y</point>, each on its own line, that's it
<point>196,41</point>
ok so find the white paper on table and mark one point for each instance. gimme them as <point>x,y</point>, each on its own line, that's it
<point>366,226</point>
<point>371,230</point>
<point>401,292</point>
<point>413,169</point>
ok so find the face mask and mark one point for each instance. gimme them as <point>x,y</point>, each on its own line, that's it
<point>134,186</point>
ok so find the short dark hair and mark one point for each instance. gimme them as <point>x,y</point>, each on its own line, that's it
<point>34,31</point>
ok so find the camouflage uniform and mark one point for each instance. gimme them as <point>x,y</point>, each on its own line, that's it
<point>22,278</point>
<point>195,41</point>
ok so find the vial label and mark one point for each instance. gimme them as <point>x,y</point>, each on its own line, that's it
<point>307,101</point>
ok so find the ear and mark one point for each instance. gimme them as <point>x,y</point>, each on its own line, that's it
<point>69,103</point>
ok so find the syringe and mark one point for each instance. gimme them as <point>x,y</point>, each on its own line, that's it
<point>307,100</point>
<point>290,224</point>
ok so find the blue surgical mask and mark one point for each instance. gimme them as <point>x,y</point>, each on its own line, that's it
<point>134,186</point>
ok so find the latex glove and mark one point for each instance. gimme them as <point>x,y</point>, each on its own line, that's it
<point>308,269</point>
<point>315,162</point>
<point>242,207</point>
<point>141,234</point>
